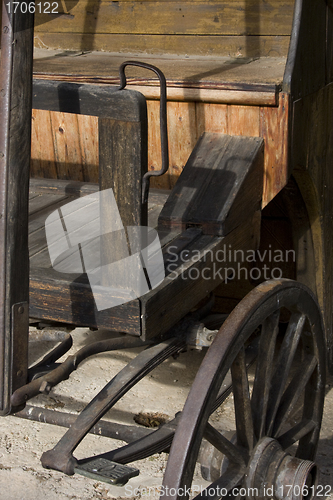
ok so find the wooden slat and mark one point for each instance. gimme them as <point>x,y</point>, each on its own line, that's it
<point>43,152</point>
<point>67,146</point>
<point>274,128</point>
<point>211,118</point>
<point>154,145</point>
<point>42,201</point>
<point>87,129</point>
<point>244,120</point>
<point>58,186</point>
<point>216,45</point>
<point>167,17</point>
<point>64,146</point>
<point>182,136</point>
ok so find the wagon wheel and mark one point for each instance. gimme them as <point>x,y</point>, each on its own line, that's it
<point>277,413</point>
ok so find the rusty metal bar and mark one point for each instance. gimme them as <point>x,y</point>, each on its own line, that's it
<point>127,433</point>
<point>163,121</point>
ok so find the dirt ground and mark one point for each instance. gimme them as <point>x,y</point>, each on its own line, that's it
<point>22,442</point>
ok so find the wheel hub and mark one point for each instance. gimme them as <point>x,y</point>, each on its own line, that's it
<point>273,473</point>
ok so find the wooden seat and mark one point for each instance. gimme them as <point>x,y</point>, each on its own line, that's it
<point>229,168</point>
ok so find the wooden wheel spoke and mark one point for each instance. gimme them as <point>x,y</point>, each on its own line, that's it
<point>242,402</point>
<point>224,445</point>
<point>293,392</point>
<point>296,433</point>
<point>230,479</point>
<point>284,362</point>
<point>251,353</point>
<point>262,381</point>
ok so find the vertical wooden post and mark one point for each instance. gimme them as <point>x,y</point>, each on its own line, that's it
<point>15,107</point>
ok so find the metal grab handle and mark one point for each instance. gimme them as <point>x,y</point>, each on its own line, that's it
<point>163,122</point>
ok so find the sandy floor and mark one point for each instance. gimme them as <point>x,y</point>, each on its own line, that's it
<point>22,442</point>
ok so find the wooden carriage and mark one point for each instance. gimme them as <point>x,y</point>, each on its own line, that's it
<point>249,126</point>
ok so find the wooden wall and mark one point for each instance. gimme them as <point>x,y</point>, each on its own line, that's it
<point>238,27</point>
<point>312,153</point>
<point>66,146</point>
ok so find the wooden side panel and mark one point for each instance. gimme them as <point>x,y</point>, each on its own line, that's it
<point>186,123</point>
<point>166,17</point>
<point>312,154</point>
<point>234,28</point>
<point>71,301</point>
<point>274,129</point>
<point>306,64</point>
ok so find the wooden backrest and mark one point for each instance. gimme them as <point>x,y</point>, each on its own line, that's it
<point>122,136</point>
<point>193,27</point>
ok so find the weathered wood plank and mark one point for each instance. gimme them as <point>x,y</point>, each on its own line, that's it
<point>169,18</point>
<point>122,164</point>
<point>102,101</point>
<point>58,186</point>
<point>214,45</point>
<point>239,73</point>
<point>274,128</point>
<point>42,201</point>
<point>195,279</point>
<point>220,184</point>
<point>59,297</point>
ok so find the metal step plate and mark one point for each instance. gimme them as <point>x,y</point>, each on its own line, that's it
<point>107,471</point>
